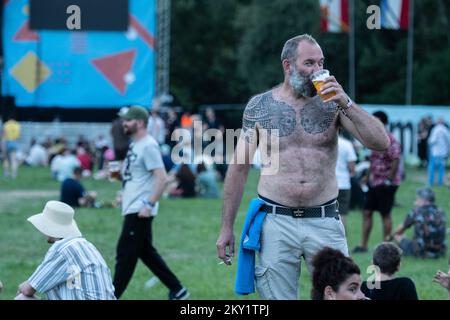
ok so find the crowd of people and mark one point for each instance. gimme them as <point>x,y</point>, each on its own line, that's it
<point>90,158</point>
<point>142,171</point>
<point>299,212</point>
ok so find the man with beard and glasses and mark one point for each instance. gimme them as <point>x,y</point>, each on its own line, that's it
<point>296,212</point>
<point>144,179</point>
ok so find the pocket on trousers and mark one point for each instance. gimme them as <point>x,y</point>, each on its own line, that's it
<point>341,227</point>
<point>337,226</point>
<point>262,280</point>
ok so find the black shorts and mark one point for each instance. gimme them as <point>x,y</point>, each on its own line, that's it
<point>380,198</point>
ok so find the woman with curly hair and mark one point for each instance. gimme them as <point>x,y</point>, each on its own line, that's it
<point>335,277</point>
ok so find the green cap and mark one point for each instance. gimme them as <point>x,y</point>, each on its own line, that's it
<point>136,113</point>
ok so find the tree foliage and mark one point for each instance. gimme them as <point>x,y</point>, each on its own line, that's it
<point>203,52</point>
<point>228,50</point>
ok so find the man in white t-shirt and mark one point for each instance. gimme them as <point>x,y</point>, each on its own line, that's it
<point>66,164</point>
<point>156,127</point>
<point>38,155</point>
<point>345,168</point>
<point>143,179</point>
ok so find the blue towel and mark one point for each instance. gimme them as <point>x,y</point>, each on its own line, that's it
<point>250,242</point>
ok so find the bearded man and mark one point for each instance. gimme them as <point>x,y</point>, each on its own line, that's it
<point>143,179</point>
<point>296,212</point>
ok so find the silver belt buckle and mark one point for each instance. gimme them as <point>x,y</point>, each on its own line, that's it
<point>298,213</point>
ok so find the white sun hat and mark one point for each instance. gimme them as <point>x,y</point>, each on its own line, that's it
<point>56,220</point>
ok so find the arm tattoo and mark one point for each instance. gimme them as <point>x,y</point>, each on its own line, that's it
<point>269,114</point>
<point>316,116</point>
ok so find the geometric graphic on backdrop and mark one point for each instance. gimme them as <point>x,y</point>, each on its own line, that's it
<point>116,68</point>
<point>27,69</point>
<point>25,34</point>
<point>145,35</point>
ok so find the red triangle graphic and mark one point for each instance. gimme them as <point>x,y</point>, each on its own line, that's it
<point>25,34</point>
<point>5,2</point>
<point>115,67</point>
<point>146,36</point>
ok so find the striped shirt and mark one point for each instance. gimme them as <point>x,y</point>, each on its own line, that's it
<point>73,269</point>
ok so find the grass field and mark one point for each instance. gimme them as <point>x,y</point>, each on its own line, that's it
<point>185,232</point>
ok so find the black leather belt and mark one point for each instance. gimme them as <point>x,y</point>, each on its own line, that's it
<point>329,210</point>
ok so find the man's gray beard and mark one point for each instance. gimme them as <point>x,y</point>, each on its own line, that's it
<point>302,85</point>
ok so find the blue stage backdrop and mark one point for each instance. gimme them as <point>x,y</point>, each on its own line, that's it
<point>79,69</point>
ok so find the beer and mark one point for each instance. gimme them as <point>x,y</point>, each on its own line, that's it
<point>318,80</point>
<point>114,170</point>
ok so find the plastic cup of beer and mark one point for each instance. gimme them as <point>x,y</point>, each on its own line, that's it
<point>318,80</point>
<point>114,170</point>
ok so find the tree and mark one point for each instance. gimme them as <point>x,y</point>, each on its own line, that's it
<point>226,51</point>
<point>203,52</point>
<point>265,26</point>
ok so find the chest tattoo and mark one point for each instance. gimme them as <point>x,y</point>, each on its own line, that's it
<point>316,117</point>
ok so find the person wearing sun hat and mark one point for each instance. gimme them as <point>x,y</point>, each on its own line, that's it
<point>73,269</point>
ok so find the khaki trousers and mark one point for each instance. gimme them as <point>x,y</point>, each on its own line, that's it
<point>284,241</point>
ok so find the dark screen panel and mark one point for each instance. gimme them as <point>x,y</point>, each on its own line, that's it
<point>100,15</point>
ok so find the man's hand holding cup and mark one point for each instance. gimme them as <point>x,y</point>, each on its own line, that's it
<point>329,89</point>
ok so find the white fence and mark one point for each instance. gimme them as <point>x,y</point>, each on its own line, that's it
<point>69,130</point>
<point>404,121</point>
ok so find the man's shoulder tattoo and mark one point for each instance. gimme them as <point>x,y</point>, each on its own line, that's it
<point>274,116</point>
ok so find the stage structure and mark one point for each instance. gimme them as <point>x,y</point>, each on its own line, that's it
<point>109,62</point>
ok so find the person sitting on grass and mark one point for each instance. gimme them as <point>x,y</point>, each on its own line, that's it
<point>335,277</point>
<point>206,182</point>
<point>185,187</point>
<point>386,258</point>
<point>429,228</point>
<point>73,269</point>
<point>73,192</point>
<point>443,279</point>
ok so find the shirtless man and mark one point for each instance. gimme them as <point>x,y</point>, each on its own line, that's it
<point>300,198</point>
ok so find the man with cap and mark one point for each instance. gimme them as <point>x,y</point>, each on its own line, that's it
<point>429,228</point>
<point>72,269</point>
<point>143,179</point>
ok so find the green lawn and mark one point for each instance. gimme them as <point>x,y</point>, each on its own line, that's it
<point>185,233</point>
